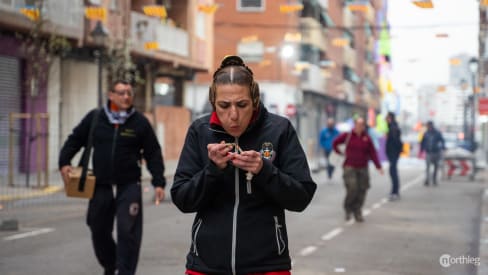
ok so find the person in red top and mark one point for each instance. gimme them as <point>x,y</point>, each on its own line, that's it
<point>358,151</point>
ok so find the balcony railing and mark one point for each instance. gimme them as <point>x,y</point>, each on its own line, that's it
<point>314,80</point>
<point>66,17</point>
<point>166,38</point>
<point>350,56</point>
<point>313,33</point>
<point>348,17</point>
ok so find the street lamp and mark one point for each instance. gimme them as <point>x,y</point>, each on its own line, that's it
<point>473,68</point>
<point>99,35</point>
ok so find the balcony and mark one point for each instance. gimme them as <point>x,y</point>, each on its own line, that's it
<point>313,33</point>
<point>164,38</point>
<point>369,69</point>
<point>348,17</point>
<point>349,56</point>
<point>369,12</point>
<point>65,17</point>
<point>312,79</point>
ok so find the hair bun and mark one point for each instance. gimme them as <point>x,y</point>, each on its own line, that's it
<point>232,60</point>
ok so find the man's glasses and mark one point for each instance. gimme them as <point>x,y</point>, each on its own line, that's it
<point>124,92</point>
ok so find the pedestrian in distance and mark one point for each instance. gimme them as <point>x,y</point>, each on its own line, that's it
<point>121,138</point>
<point>393,148</point>
<point>359,150</point>
<point>327,136</point>
<point>433,145</point>
<point>240,169</point>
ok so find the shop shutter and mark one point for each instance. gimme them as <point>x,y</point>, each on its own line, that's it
<point>10,101</point>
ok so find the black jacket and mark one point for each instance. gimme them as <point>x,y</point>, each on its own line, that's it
<point>432,141</point>
<point>117,151</point>
<point>394,144</point>
<point>235,231</point>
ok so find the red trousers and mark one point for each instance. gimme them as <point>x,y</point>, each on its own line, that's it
<point>191,272</point>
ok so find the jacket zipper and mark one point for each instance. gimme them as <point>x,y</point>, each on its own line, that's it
<point>195,234</point>
<point>112,155</point>
<point>279,236</point>
<point>234,217</point>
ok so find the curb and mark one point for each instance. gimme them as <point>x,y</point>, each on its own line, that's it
<point>36,193</point>
<point>483,244</point>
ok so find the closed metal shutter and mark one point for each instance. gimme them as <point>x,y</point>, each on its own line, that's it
<point>10,101</point>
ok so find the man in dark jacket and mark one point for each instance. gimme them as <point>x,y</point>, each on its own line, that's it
<point>240,168</point>
<point>394,147</point>
<point>433,144</point>
<point>121,138</point>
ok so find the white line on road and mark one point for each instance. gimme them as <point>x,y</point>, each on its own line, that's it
<point>339,270</point>
<point>366,212</point>
<point>308,250</point>
<point>29,234</point>
<point>337,231</point>
<point>412,183</point>
<point>332,234</point>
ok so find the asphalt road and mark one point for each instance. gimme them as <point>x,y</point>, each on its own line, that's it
<point>402,237</point>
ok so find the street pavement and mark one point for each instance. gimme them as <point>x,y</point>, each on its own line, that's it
<point>409,236</point>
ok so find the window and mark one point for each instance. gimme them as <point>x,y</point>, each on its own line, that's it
<point>251,5</point>
<point>348,35</point>
<point>200,24</point>
<point>113,5</point>
<point>251,51</point>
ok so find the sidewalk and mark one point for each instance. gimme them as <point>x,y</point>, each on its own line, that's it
<point>20,191</point>
<point>483,245</point>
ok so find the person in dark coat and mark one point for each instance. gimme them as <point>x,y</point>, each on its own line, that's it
<point>240,168</point>
<point>433,144</point>
<point>122,137</point>
<point>394,147</point>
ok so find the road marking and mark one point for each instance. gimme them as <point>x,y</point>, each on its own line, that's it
<point>412,183</point>
<point>308,250</point>
<point>337,231</point>
<point>339,270</point>
<point>28,234</point>
<point>366,212</point>
<point>41,192</point>
<point>332,234</point>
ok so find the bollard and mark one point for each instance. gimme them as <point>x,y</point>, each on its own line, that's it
<point>9,225</point>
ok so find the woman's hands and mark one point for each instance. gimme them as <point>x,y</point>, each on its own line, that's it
<point>221,153</point>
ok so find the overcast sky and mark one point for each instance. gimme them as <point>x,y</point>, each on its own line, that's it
<point>418,57</point>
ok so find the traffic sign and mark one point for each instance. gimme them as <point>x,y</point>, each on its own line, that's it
<point>483,106</point>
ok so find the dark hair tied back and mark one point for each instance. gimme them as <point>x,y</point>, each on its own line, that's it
<point>232,60</point>
<point>243,76</point>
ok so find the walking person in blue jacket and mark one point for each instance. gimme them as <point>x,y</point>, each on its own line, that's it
<point>327,136</point>
<point>240,169</point>
<point>433,144</point>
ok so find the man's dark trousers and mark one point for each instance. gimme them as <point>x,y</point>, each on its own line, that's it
<point>126,207</point>
<point>395,182</point>
<point>330,167</point>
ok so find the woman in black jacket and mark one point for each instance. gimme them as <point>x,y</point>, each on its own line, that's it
<point>394,147</point>
<point>239,169</point>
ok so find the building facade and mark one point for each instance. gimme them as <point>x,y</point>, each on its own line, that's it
<point>160,52</point>
<point>294,48</point>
